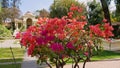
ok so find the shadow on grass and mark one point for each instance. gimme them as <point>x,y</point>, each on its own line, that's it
<point>11,66</point>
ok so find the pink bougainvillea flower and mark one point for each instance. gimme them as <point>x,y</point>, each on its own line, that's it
<point>83,17</point>
<point>105,20</point>
<point>70,14</point>
<point>108,30</point>
<point>73,8</point>
<point>80,10</point>
<point>44,33</point>
<point>18,35</point>
<point>79,47</point>
<point>95,29</point>
<point>60,35</point>
<point>50,38</point>
<point>86,53</point>
<point>40,41</point>
<point>30,49</point>
<point>57,47</point>
<point>70,45</point>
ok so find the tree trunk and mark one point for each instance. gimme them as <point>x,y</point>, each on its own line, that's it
<point>106,10</point>
<point>48,64</point>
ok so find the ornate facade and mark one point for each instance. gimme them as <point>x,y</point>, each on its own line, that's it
<point>27,20</point>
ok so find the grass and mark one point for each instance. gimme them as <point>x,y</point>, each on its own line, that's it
<point>1,41</point>
<point>106,55</point>
<point>11,60</point>
<point>10,66</point>
<point>6,55</point>
<point>6,52</point>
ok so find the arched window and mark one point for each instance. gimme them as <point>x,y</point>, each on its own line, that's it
<point>28,22</point>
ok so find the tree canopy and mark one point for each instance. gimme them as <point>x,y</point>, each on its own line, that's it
<point>95,15</point>
<point>61,7</point>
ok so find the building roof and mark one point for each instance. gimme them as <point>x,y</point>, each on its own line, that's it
<point>28,14</point>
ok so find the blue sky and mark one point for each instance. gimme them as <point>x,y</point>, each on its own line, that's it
<point>33,5</point>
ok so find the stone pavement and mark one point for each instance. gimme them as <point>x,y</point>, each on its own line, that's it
<point>29,62</point>
<point>9,43</point>
<point>99,64</point>
<point>115,63</point>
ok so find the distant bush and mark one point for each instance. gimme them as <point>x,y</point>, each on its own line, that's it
<point>4,32</point>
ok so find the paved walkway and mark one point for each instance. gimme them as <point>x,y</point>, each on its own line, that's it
<point>9,43</point>
<point>114,63</point>
<point>98,64</point>
<point>29,62</point>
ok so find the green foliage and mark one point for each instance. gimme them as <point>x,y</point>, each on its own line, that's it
<point>108,2</point>
<point>44,13</point>
<point>117,12</point>
<point>106,11</point>
<point>22,28</point>
<point>60,8</point>
<point>4,32</point>
<point>95,15</point>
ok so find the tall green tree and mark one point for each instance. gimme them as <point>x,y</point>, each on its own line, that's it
<point>5,3</point>
<point>4,14</point>
<point>106,10</point>
<point>15,12</point>
<point>44,13</point>
<point>16,3</point>
<point>95,14</point>
<point>10,9</point>
<point>61,7</point>
<point>117,12</point>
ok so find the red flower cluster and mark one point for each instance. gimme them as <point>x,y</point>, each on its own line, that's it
<point>108,30</point>
<point>57,47</point>
<point>105,31</point>
<point>70,45</point>
<point>59,35</point>
<point>74,9</point>
<point>17,35</point>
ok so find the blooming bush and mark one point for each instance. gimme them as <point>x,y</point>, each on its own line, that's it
<point>59,40</point>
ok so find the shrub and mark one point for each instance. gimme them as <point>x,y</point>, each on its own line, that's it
<point>4,32</point>
<point>59,39</point>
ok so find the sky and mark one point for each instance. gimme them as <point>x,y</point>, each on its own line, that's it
<point>33,5</point>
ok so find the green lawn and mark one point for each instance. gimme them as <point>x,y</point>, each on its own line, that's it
<point>10,66</point>
<point>106,55</point>
<point>11,60</point>
<point>6,55</point>
<point>1,41</point>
